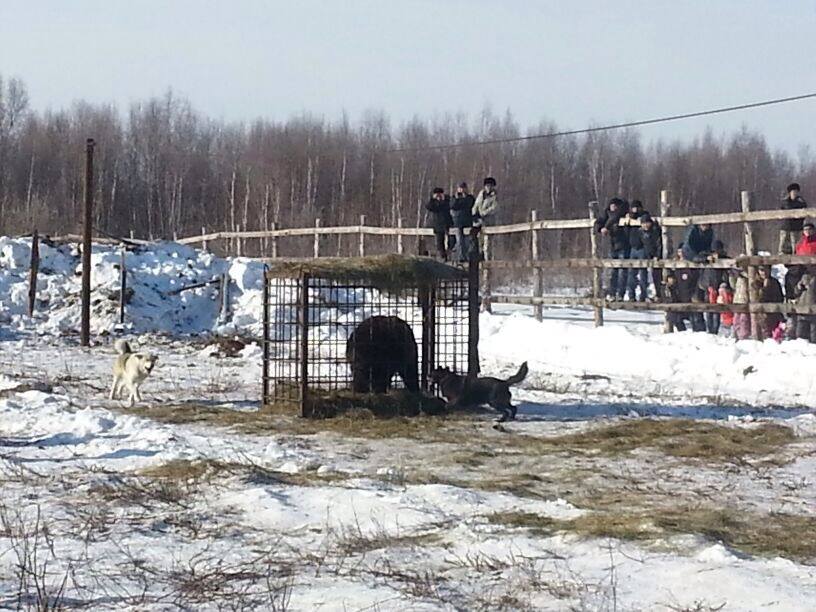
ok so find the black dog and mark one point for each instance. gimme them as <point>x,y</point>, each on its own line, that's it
<point>463,392</point>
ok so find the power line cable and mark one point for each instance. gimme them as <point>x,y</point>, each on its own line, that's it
<point>616,126</point>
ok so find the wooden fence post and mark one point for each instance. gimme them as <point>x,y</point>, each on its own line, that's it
<point>597,293</point>
<point>487,303</point>
<point>238,249</point>
<point>473,315</point>
<point>274,240</point>
<point>33,270</point>
<point>665,208</point>
<point>87,228</point>
<point>203,239</point>
<point>399,235</point>
<point>131,234</point>
<point>538,290</point>
<point>362,236</point>
<point>750,249</point>
<point>122,285</point>
<point>317,238</point>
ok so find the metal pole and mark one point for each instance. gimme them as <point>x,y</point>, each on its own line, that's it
<point>265,373</point>
<point>304,343</point>
<point>85,329</point>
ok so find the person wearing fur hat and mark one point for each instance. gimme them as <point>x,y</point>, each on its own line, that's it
<point>791,229</point>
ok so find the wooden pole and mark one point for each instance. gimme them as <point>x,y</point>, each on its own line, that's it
<point>473,314</point>
<point>665,210</point>
<point>538,290</point>
<point>238,245</point>
<point>122,286</point>
<point>87,228</point>
<point>596,271</point>
<point>750,249</point>
<point>317,239</point>
<point>362,235</point>
<point>203,240</point>
<point>487,304</point>
<point>274,253</point>
<point>399,235</point>
<point>33,270</point>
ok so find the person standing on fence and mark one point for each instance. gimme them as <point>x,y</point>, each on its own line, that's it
<point>711,280</point>
<point>645,242</point>
<point>440,220</point>
<point>484,208</point>
<point>462,213</point>
<point>609,225</point>
<point>791,229</point>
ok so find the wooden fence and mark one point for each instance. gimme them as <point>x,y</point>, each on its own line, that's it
<point>535,227</point>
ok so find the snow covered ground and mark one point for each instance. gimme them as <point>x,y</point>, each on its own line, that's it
<point>196,501</point>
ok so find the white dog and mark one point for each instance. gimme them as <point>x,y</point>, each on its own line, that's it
<point>130,370</point>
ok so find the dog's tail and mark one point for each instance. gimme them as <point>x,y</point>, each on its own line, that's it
<point>122,347</point>
<point>518,376</point>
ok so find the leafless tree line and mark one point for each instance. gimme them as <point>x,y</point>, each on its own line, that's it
<point>164,168</point>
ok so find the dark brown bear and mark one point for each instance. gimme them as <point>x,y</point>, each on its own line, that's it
<point>379,348</point>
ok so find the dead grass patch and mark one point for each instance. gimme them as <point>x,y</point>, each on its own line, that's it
<point>785,535</point>
<point>684,438</point>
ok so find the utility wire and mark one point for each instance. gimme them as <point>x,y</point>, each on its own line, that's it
<point>616,126</point>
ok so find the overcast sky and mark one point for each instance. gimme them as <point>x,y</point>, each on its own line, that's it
<point>570,61</point>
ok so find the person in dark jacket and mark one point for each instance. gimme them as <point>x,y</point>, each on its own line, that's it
<point>609,225</point>
<point>698,242</point>
<point>440,220</point>
<point>681,286</point>
<point>645,242</point>
<point>710,281</point>
<point>770,292</point>
<point>462,215</point>
<point>791,229</point>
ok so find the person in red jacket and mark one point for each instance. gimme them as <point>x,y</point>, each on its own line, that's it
<point>807,243</point>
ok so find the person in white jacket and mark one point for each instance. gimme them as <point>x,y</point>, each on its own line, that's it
<point>485,206</point>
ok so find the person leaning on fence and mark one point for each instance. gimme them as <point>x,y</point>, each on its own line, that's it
<point>805,293</point>
<point>609,224</point>
<point>440,220</point>
<point>791,229</point>
<point>698,242</point>
<point>645,242</point>
<point>681,288</point>
<point>462,214</point>
<point>805,246</point>
<point>770,292</point>
<point>484,208</point>
<point>711,279</point>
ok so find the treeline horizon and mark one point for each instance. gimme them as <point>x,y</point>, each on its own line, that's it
<point>163,168</point>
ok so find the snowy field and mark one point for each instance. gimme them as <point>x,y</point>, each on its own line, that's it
<point>645,471</point>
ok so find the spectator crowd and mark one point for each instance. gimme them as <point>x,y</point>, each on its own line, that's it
<point>632,233</point>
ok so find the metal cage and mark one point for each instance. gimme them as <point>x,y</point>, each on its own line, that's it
<point>309,317</point>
